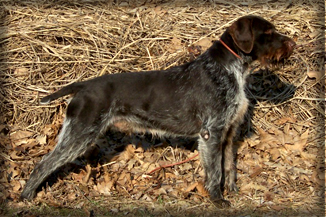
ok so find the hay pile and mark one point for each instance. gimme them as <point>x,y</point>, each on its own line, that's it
<point>46,46</point>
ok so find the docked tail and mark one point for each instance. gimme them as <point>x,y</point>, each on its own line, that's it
<point>70,89</point>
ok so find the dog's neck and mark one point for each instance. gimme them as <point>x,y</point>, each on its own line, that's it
<point>227,42</point>
<point>227,47</point>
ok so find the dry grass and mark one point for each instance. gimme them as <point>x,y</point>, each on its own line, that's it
<point>46,46</point>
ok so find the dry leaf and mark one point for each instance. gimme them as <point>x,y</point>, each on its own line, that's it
<point>175,45</point>
<point>147,198</point>
<point>252,143</point>
<point>137,195</point>
<point>2,126</point>
<point>256,172</point>
<point>21,71</point>
<point>191,187</point>
<point>104,187</point>
<point>88,174</point>
<point>275,154</point>
<point>201,189</point>
<point>278,208</point>
<point>41,139</point>
<point>185,166</point>
<point>246,188</point>
<point>48,129</point>
<point>266,138</point>
<point>300,142</point>
<point>194,50</point>
<point>316,74</point>
<point>279,135</point>
<point>16,185</point>
<point>14,156</point>
<point>269,196</point>
<point>128,153</point>
<point>205,43</point>
<point>308,156</point>
<point>21,134</point>
<point>14,171</point>
<point>263,146</point>
<point>78,176</point>
<point>314,34</point>
<point>160,191</point>
<point>159,11</point>
<point>131,163</point>
<point>284,120</point>
<point>162,163</point>
<point>169,175</point>
<point>288,136</point>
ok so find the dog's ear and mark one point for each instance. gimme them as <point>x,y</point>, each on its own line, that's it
<point>242,34</point>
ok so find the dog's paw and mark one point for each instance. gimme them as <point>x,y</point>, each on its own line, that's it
<point>231,187</point>
<point>221,203</point>
<point>230,184</point>
<point>28,195</point>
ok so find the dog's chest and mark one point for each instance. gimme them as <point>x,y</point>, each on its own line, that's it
<point>240,100</point>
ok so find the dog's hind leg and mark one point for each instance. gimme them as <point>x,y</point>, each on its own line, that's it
<point>211,152</point>
<point>72,143</point>
<point>76,135</point>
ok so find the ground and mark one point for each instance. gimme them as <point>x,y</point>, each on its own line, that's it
<point>280,147</point>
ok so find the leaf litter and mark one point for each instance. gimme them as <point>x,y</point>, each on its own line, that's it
<point>280,149</point>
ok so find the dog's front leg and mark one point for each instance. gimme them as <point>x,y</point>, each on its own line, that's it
<point>211,153</point>
<point>229,166</point>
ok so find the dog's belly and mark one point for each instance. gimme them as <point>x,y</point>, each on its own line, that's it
<point>159,125</point>
<point>130,127</point>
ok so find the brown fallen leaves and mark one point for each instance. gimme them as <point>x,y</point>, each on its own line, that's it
<point>271,165</point>
<point>128,175</point>
<point>276,162</point>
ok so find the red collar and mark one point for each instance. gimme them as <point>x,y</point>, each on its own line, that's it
<point>227,47</point>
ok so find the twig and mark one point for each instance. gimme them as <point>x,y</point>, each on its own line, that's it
<point>170,165</point>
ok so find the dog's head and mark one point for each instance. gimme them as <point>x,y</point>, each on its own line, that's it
<point>258,38</point>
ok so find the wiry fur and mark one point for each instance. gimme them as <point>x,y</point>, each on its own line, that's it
<point>204,98</point>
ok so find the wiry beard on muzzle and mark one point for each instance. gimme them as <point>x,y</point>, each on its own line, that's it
<point>277,57</point>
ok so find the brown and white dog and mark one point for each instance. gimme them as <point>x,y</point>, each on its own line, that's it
<point>204,98</point>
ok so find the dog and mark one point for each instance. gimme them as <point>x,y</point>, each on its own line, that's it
<point>204,98</point>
